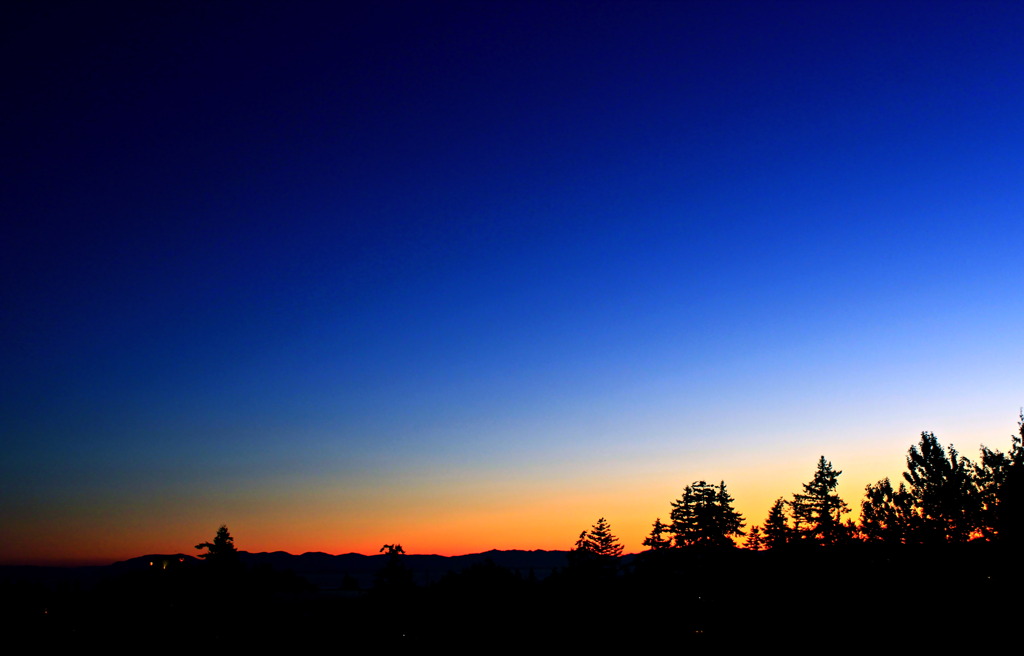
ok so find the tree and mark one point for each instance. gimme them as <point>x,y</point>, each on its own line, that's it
<point>704,516</point>
<point>657,540</point>
<point>946,502</point>
<point>394,577</point>
<point>886,515</point>
<point>777,530</point>
<point>755,541</point>
<point>818,511</point>
<point>999,478</point>
<point>222,550</point>
<point>596,552</point>
<point>599,541</point>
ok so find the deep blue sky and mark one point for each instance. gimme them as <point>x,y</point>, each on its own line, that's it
<point>259,254</point>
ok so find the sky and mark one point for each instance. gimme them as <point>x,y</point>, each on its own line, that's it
<point>471,275</point>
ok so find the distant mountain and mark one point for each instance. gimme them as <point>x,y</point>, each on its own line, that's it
<point>336,572</point>
<point>325,571</point>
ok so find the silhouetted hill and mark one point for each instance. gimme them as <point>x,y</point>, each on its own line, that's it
<point>329,572</point>
<point>158,561</point>
<point>862,593</point>
<point>325,571</point>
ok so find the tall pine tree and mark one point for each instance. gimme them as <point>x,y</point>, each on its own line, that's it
<point>818,511</point>
<point>603,543</point>
<point>705,516</point>
<point>657,540</point>
<point>755,541</point>
<point>599,541</point>
<point>776,531</point>
<point>221,552</point>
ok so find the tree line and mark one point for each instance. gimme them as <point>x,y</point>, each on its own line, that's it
<point>944,498</point>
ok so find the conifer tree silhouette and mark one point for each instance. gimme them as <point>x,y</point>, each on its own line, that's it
<point>657,540</point>
<point>755,541</point>
<point>600,540</point>
<point>705,516</point>
<point>394,577</point>
<point>777,531</point>
<point>221,551</point>
<point>818,511</point>
<point>597,551</point>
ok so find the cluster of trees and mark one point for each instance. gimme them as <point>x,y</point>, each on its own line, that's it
<point>702,516</point>
<point>812,516</point>
<point>944,498</point>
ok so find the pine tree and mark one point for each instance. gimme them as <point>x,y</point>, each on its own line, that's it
<point>657,540</point>
<point>596,552</point>
<point>818,511</point>
<point>777,530</point>
<point>755,542</point>
<point>583,543</point>
<point>394,577</point>
<point>704,516</point>
<point>601,541</point>
<point>221,551</point>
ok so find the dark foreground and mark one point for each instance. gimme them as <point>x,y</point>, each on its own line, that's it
<point>663,602</point>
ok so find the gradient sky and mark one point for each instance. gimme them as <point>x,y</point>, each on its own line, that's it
<point>471,275</point>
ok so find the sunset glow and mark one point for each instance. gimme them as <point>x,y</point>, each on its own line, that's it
<point>469,276</point>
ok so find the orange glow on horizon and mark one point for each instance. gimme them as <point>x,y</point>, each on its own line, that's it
<point>523,511</point>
